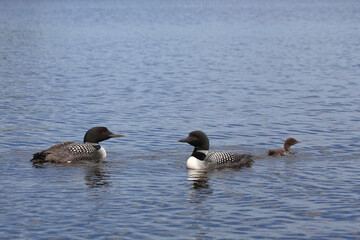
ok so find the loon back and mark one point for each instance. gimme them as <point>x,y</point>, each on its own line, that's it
<point>70,152</point>
<point>229,159</point>
<point>279,153</point>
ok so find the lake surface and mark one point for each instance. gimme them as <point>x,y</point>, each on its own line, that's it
<point>248,73</point>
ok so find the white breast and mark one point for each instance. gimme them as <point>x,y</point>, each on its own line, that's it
<point>102,152</point>
<point>194,163</point>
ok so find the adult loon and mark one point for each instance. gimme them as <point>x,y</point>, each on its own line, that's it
<point>73,151</point>
<point>202,158</point>
<point>288,143</point>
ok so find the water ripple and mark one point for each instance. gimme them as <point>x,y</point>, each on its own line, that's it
<point>249,74</point>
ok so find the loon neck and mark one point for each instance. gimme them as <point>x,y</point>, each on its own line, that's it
<point>204,147</point>
<point>199,154</point>
<point>200,150</point>
<point>287,147</point>
<point>95,145</point>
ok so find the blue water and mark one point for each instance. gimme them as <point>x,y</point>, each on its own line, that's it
<point>248,73</point>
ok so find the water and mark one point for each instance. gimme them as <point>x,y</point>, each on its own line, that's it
<point>248,73</point>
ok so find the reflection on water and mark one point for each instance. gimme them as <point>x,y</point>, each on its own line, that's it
<point>95,172</point>
<point>198,194</point>
<point>199,178</point>
<point>96,175</point>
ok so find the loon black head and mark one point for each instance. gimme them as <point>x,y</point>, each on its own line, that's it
<point>198,139</point>
<point>98,134</point>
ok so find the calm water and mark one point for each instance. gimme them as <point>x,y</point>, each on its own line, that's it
<point>248,73</point>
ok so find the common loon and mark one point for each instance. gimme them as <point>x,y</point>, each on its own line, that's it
<point>289,142</point>
<point>202,158</point>
<point>73,151</point>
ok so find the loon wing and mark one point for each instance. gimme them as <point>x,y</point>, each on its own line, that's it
<point>229,159</point>
<point>66,152</point>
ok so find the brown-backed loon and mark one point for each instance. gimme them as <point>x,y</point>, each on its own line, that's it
<point>288,143</point>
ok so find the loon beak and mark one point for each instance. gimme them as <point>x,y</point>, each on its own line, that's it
<point>184,140</point>
<point>114,135</point>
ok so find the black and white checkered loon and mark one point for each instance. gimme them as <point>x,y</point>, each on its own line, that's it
<point>202,158</point>
<point>73,151</point>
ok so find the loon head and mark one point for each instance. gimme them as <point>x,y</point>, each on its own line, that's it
<point>289,142</point>
<point>98,134</point>
<point>198,139</point>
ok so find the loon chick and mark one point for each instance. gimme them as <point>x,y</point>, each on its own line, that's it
<point>202,158</point>
<point>73,151</point>
<point>289,142</point>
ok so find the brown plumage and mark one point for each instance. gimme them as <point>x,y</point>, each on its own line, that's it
<point>288,143</point>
